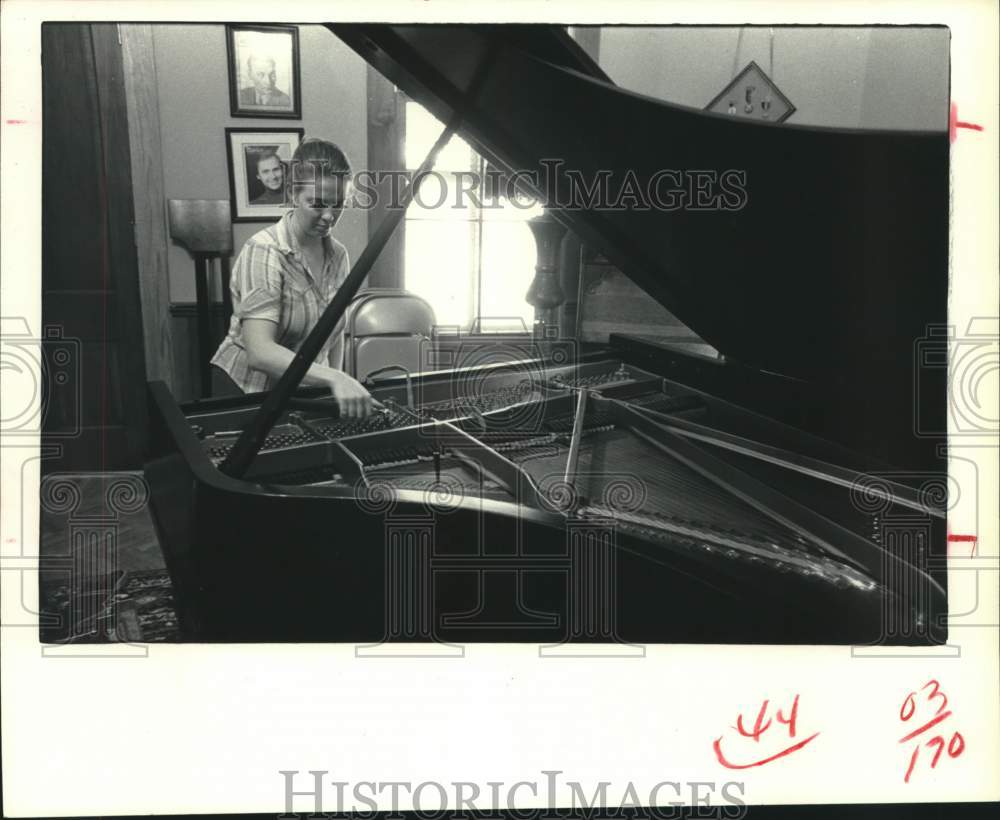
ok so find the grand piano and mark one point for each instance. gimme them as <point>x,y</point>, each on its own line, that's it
<point>629,492</point>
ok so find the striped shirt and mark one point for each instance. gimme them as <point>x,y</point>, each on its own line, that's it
<point>271,280</point>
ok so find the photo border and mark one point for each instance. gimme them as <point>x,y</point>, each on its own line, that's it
<point>238,210</point>
<point>234,80</point>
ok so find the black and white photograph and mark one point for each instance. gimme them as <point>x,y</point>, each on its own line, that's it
<point>264,71</point>
<point>651,385</point>
<point>639,357</point>
<point>258,171</point>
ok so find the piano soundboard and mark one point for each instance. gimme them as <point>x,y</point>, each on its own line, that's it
<point>511,438</point>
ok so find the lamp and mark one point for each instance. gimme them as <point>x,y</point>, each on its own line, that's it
<point>205,229</point>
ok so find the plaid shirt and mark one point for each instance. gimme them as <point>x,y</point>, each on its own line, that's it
<point>271,281</point>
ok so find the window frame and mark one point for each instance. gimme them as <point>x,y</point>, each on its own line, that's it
<point>477,225</point>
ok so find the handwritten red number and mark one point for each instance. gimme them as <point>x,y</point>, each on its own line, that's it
<point>937,693</point>
<point>759,727</point>
<point>955,746</point>
<point>790,721</point>
<point>955,752</point>
<point>939,742</point>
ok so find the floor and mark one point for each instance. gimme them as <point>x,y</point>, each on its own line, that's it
<point>102,573</point>
<point>93,502</point>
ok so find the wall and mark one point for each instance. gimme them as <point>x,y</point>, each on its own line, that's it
<point>192,82</point>
<point>888,77</point>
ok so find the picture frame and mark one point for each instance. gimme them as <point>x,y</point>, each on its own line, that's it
<point>258,160</point>
<point>264,78</point>
<point>737,98</point>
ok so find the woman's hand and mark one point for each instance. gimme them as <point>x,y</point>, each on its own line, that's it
<point>266,354</point>
<point>354,400</point>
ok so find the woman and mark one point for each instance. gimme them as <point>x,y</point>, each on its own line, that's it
<point>284,278</point>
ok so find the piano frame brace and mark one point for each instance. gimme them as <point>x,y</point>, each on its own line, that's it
<point>449,438</point>
<point>835,474</point>
<point>569,478</point>
<point>835,539</point>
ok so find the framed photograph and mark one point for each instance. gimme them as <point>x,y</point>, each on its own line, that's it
<point>264,71</point>
<point>258,171</point>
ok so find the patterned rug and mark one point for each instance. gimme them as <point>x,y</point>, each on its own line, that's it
<point>133,607</point>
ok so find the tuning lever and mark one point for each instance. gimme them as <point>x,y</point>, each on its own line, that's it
<point>328,405</point>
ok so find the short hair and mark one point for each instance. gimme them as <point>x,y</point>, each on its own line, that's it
<point>316,156</point>
<point>267,153</point>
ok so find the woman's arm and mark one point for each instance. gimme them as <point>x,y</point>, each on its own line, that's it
<point>264,353</point>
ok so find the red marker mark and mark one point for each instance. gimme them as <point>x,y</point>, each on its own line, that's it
<point>717,745</point>
<point>926,726</point>
<point>17,122</point>
<point>964,539</point>
<point>954,123</point>
<point>955,746</point>
<point>760,727</point>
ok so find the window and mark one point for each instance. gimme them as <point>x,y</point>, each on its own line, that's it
<point>470,255</point>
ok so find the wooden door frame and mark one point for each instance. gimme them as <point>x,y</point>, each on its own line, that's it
<point>148,199</point>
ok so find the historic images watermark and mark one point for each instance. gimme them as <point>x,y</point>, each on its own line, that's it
<point>666,189</point>
<point>940,534</point>
<point>906,534</point>
<point>664,800</point>
<point>42,376</point>
<point>970,362</point>
<point>967,364</point>
<point>41,373</point>
<point>86,608</point>
<point>497,392</point>
<point>586,566</point>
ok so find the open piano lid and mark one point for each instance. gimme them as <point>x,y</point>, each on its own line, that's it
<point>829,269</point>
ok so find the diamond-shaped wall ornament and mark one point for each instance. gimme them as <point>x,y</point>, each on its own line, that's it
<point>752,95</point>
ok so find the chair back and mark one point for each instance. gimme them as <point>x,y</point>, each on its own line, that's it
<point>386,327</point>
